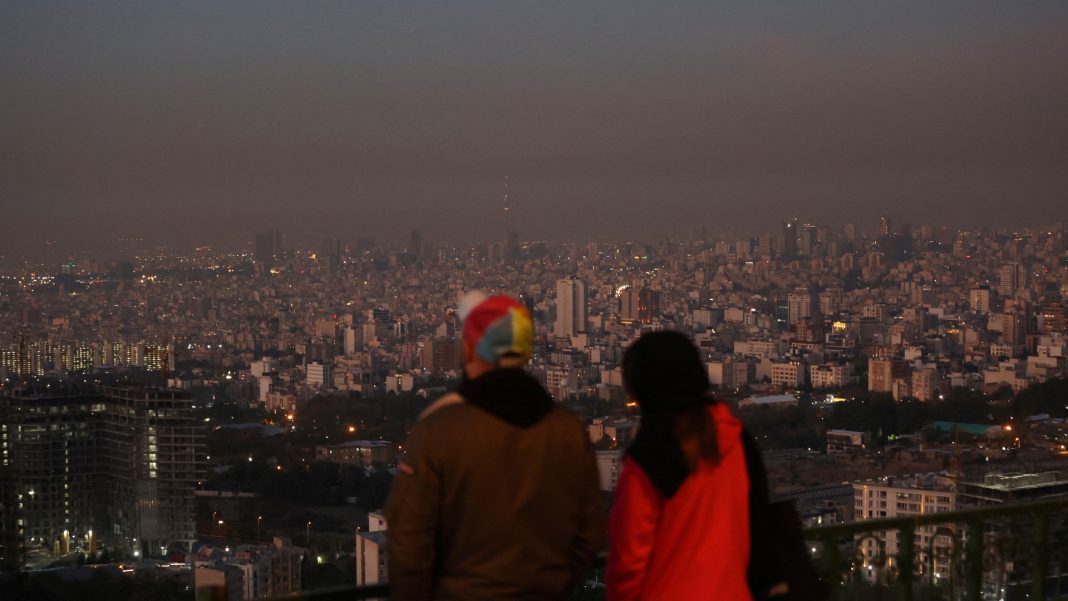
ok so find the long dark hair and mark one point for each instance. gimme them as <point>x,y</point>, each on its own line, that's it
<point>664,373</point>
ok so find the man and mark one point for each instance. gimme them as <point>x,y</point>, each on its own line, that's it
<point>498,496</point>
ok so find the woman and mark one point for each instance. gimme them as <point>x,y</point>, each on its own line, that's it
<point>680,524</point>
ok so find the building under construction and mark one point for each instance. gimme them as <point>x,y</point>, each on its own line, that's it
<point>117,468</point>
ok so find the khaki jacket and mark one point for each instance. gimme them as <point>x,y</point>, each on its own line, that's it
<point>492,507</point>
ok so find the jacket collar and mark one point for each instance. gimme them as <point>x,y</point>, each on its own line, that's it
<point>511,395</point>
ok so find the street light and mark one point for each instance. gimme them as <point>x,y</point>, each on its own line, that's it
<point>258,521</point>
<point>308,534</point>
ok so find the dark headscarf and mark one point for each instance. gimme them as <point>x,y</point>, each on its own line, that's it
<point>664,373</point>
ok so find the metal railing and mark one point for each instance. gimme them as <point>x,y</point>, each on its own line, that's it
<point>343,593</point>
<point>1002,552</point>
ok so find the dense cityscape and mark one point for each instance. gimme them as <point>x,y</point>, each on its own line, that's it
<point>197,419</point>
<point>583,301</point>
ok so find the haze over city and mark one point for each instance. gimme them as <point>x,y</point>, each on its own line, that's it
<point>584,301</point>
<point>204,122</point>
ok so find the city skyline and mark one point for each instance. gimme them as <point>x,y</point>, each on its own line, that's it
<point>207,123</point>
<point>46,254</point>
<point>304,370</point>
<point>241,241</point>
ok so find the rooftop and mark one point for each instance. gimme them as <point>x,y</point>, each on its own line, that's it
<point>1021,480</point>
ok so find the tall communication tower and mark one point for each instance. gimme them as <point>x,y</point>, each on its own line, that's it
<point>506,254</point>
<point>507,211</point>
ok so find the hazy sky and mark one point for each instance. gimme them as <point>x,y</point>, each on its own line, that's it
<point>206,121</point>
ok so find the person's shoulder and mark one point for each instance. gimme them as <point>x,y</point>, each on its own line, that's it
<point>563,417</point>
<point>448,411</point>
<point>439,424</point>
<point>440,405</point>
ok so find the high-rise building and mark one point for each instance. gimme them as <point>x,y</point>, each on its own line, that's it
<point>570,307</point>
<point>639,305</point>
<point>120,466</point>
<point>801,304</point>
<point>319,375</point>
<point>330,254</point>
<point>883,372</point>
<point>763,247</point>
<point>441,355</point>
<point>886,226</point>
<point>152,445</point>
<point>628,305</point>
<point>832,300</point>
<point>788,375</point>
<point>789,240</point>
<point>269,246</point>
<point>926,233</point>
<point>807,329</point>
<point>349,340</point>
<point>1014,329</point>
<point>648,305</point>
<point>1011,277</point>
<point>924,383</point>
<point>1053,318</point>
<point>806,240</point>
<point>12,550</point>
<point>849,231</point>
<point>980,299</point>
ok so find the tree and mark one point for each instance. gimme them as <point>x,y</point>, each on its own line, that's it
<point>1049,397</point>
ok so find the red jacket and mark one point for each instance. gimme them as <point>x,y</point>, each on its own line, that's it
<point>692,546</point>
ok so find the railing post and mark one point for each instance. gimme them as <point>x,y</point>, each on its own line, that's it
<point>973,577</point>
<point>1038,569</point>
<point>905,560</point>
<point>972,569</point>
